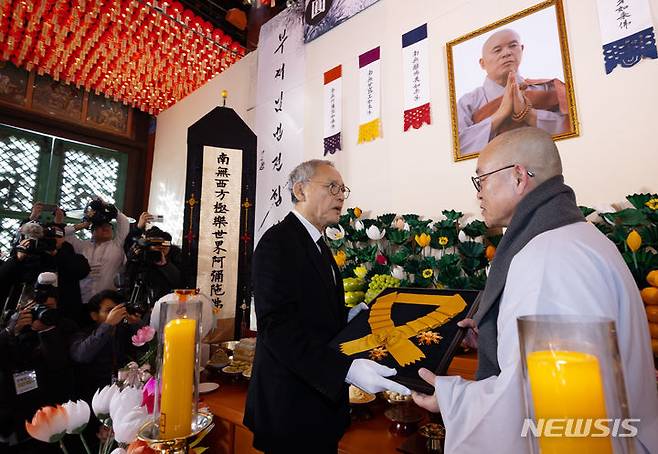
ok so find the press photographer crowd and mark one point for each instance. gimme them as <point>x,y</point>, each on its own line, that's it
<point>70,308</point>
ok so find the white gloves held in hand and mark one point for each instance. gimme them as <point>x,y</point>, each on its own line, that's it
<point>355,310</point>
<point>369,376</point>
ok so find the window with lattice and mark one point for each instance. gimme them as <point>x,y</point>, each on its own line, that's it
<point>35,167</point>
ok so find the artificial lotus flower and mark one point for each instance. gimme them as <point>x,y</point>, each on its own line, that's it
<point>335,233</point>
<point>128,424</point>
<point>381,259</point>
<point>398,272</point>
<point>77,416</point>
<point>148,394</point>
<point>357,212</point>
<point>427,273</point>
<point>125,401</point>
<point>48,424</point>
<point>374,233</point>
<point>358,225</point>
<point>423,239</point>
<point>340,258</point>
<point>443,240</point>
<point>143,335</point>
<point>119,451</point>
<point>360,271</point>
<point>634,240</point>
<point>462,237</point>
<point>100,403</point>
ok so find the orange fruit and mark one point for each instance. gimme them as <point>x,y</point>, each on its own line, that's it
<point>652,313</point>
<point>652,278</point>
<point>654,346</point>
<point>490,251</point>
<point>649,295</point>
<point>653,329</point>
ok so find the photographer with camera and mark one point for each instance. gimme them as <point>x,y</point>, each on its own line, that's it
<point>150,273</point>
<point>43,248</point>
<point>102,348</point>
<point>36,369</point>
<point>104,251</point>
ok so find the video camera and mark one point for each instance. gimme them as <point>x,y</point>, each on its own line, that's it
<point>98,212</point>
<point>46,287</point>
<point>148,250</point>
<point>40,239</point>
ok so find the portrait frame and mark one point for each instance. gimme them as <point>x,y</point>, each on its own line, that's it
<point>455,56</point>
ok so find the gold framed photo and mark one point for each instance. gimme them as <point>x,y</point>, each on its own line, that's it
<point>512,73</point>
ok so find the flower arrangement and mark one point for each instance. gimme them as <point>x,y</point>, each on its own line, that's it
<point>408,251</point>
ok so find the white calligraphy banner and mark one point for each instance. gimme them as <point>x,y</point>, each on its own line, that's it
<point>627,32</point>
<point>369,96</point>
<point>219,228</point>
<point>279,115</point>
<point>333,106</point>
<point>415,68</point>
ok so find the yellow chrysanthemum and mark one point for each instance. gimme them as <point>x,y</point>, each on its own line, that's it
<point>340,258</point>
<point>428,273</point>
<point>652,204</point>
<point>443,240</point>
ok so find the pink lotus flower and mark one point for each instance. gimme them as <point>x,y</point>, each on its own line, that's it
<point>48,424</point>
<point>148,395</point>
<point>143,335</point>
<point>381,259</point>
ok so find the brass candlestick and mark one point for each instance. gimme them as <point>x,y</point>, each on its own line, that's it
<point>150,431</point>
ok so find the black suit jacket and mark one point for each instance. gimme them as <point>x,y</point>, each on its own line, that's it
<point>297,386</point>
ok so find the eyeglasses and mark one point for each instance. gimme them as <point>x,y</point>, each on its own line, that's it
<point>477,181</point>
<point>335,189</point>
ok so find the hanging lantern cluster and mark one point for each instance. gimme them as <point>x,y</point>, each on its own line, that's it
<point>144,54</point>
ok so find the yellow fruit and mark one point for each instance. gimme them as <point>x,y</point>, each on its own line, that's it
<point>652,313</point>
<point>652,278</point>
<point>357,212</point>
<point>634,240</point>
<point>649,295</point>
<point>653,329</point>
<point>489,252</point>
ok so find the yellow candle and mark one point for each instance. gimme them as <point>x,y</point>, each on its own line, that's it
<point>564,385</point>
<point>177,378</point>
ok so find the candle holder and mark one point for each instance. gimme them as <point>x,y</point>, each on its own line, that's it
<point>573,380</point>
<point>176,418</point>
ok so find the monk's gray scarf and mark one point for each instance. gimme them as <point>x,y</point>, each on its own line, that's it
<point>550,205</point>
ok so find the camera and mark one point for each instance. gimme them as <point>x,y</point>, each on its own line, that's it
<point>98,212</point>
<point>136,307</point>
<point>147,250</point>
<point>46,287</point>
<point>40,239</point>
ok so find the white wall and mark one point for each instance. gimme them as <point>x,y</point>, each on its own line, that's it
<point>615,154</point>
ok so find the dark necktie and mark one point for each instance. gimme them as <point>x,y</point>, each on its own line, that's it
<point>328,258</point>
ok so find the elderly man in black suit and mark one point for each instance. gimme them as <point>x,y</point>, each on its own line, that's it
<point>297,399</point>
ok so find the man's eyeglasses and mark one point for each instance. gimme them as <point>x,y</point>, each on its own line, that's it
<point>477,181</point>
<point>335,189</point>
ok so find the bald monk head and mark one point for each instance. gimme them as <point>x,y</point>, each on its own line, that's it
<point>510,166</point>
<point>501,54</point>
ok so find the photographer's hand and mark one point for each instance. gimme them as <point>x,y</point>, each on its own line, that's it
<point>116,315</point>
<point>143,219</point>
<point>134,318</point>
<point>40,327</point>
<point>82,225</point>
<point>20,255</point>
<point>59,215</point>
<point>24,319</point>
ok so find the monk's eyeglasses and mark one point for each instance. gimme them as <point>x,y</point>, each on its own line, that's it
<point>477,180</point>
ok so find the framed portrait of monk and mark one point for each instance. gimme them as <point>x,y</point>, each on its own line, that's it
<point>512,73</point>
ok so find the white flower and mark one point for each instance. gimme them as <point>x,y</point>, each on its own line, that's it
<point>101,401</point>
<point>462,236</point>
<point>126,427</point>
<point>398,272</point>
<point>119,451</point>
<point>335,234</point>
<point>78,416</point>
<point>358,225</point>
<point>125,401</point>
<point>374,233</point>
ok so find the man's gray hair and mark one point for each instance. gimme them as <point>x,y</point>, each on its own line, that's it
<point>303,174</point>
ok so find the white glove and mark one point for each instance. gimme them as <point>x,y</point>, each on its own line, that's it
<point>355,310</point>
<point>369,376</point>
